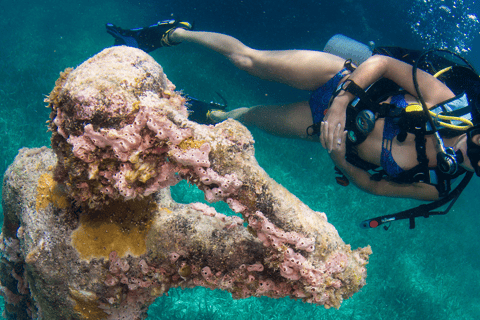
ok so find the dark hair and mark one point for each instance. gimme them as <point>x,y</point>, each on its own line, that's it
<point>450,133</point>
<point>474,102</point>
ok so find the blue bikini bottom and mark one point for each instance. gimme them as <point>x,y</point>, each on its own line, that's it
<point>320,98</point>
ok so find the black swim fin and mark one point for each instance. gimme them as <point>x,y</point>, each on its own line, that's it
<point>147,38</point>
<point>199,110</point>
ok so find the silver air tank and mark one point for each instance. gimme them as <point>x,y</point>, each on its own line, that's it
<point>349,48</point>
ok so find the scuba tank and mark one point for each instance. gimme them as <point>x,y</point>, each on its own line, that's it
<point>349,49</point>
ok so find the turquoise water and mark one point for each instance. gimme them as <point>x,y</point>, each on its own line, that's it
<point>432,272</point>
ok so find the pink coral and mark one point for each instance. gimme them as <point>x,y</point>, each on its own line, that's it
<point>173,256</point>
<point>144,266</point>
<point>211,212</point>
<point>117,265</point>
<point>258,267</point>
<point>206,273</point>
<point>111,280</point>
<point>224,186</point>
<point>337,262</point>
<point>192,157</point>
<point>270,235</point>
<point>235,205</point>
<point>265,286</point>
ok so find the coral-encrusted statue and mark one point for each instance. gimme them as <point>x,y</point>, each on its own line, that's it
<point>92,232</point>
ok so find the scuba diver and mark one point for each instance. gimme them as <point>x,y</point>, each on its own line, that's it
<point>417,131</point>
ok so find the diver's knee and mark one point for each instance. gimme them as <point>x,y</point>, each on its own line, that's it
<point>242,61</point>
<point>246,58</point>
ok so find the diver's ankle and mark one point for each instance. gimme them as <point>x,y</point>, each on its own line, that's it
<point>176,35</point>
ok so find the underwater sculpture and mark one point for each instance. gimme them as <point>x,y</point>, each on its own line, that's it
<point>91,231</point>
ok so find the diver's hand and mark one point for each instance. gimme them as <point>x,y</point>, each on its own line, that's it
<point>339,149</point>
<point>334,122</point>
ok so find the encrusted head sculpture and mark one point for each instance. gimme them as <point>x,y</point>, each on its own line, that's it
<point>115,134</point>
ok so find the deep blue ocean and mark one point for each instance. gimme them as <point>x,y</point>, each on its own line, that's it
<point>431,272</point>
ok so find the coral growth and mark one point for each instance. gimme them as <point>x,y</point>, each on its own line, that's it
<point>122,228</point>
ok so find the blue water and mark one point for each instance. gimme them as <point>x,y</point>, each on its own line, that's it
<point>432,272</point>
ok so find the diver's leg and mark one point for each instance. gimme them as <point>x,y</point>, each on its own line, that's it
<point>289,121</point>
<point>302,69</point>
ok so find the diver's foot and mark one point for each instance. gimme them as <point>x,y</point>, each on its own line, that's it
<point>148,38</point>
<point>217,116</point>
<point>170,26</point>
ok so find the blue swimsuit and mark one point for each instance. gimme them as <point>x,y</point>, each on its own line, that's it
<point>320,98</point>
<point>319,103</point>
<point>390,131</point>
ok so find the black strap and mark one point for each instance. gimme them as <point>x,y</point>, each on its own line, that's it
<point>350,86</point>
<point>313,130</point>
<point>424,210</point>
<point>349,65</point>
<point>420,146</point>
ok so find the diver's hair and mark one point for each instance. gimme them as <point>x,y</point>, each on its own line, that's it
<point>474,97</point>
<point>450,133</point>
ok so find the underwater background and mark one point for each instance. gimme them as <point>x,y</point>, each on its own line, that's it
<point>431,272</point>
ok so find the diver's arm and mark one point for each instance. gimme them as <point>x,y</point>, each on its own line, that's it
<point>433,90</point>
<point>361,179</point>
<point>373,69</point>
<point>376,67</point>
